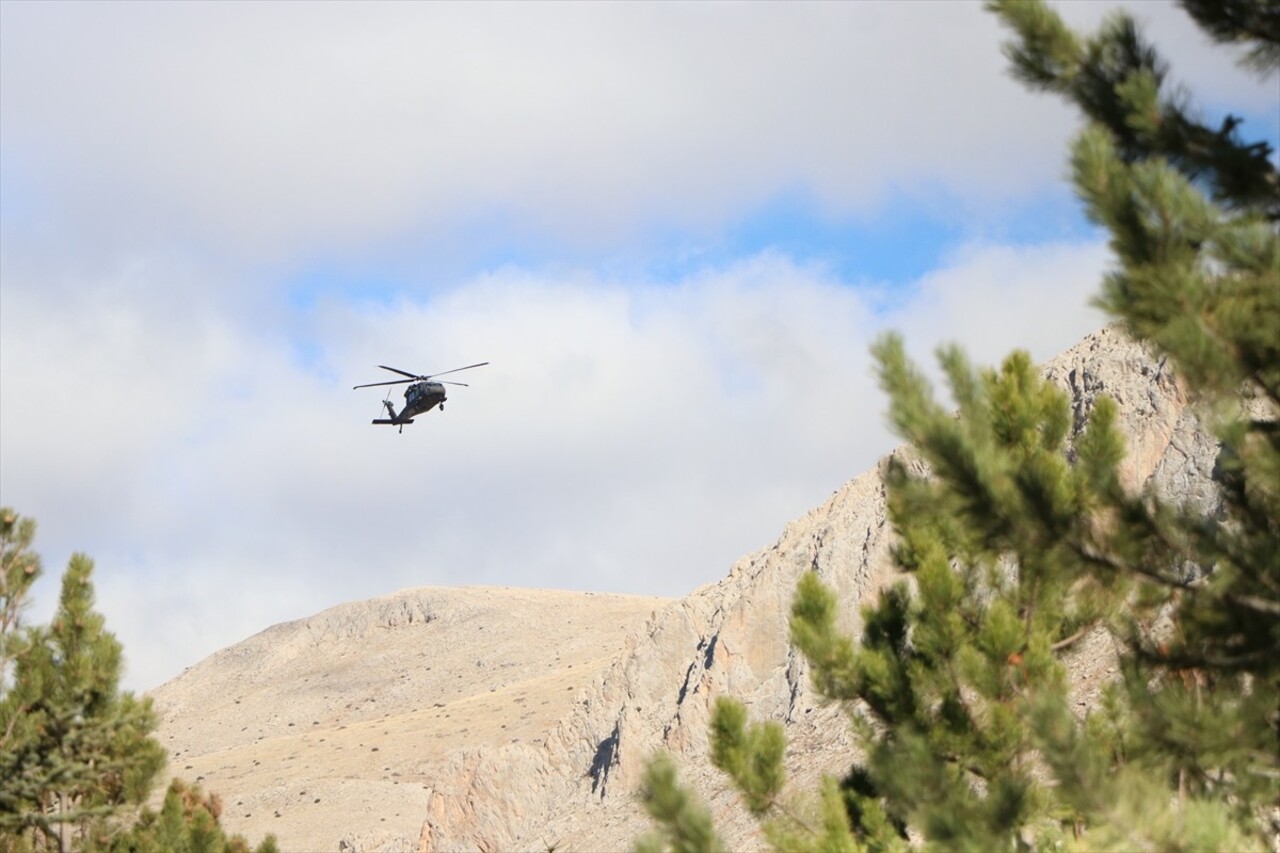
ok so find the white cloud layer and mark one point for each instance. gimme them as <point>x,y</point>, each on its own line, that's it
<point>261,130</point>
<point>168,171</point>
<point>634,436</point>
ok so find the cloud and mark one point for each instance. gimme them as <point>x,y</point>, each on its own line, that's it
<point>631,436</point>
<point>217,218</point>
<point>264,130</point>
<point>993,298</point>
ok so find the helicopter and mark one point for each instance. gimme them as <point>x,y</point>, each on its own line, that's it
<point>422,396</point>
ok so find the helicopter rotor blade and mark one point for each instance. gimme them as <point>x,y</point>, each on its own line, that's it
<point>447,382</point>
<point>401,372</point>
<point>413,377</point>
<point>455,370</point>
<point>392,382</point>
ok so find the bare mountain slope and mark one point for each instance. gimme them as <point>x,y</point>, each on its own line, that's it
<point>571,785</point>
<point>335,724</point>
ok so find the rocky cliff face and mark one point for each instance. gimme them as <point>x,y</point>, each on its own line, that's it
<point>567,779</point>
<point>576,790</point>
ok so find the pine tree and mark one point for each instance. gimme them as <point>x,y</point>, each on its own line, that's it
<point>75,747</point>
<point>186,823</point>
<point>1019,537</point>
<point>19,569</point>
<point>76,753</point>
<point>684,826</point>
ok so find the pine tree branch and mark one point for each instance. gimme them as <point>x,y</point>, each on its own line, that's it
<point>1105,561</point>
<point>1233,22</point>
<point>1202,660</point>
<point>952,758</point>
<point>8,731</point>
<point>1067,642</point>
<point>1254,603</point>
<point>787,812</point>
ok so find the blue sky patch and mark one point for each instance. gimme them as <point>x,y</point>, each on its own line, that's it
<point>896,246</point>
<point>900,243</point>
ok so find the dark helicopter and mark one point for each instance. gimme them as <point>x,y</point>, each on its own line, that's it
<point>422,396</point>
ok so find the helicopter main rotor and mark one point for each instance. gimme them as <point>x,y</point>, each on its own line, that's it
<point>419,378</point>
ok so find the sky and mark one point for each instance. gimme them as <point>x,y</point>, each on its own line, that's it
<point>674,230</point>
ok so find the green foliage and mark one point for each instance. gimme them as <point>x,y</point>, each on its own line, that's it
<point>751,755</point>
<point>74,747</point>
<point>76,753</point>
<point>186,823</point>
<point>19,569</point>
<point>829,833</point>
<point>1022,538</point>
<point>1247,22</point>
<point>1121,85</point>
<point>948,672</point>
<point>1192,213</point>
<point>684,826</point>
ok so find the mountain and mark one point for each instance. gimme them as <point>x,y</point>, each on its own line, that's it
<point>337,723</point>
<point>527,721</point>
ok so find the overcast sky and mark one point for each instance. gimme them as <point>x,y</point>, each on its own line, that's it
<point>673,230</point>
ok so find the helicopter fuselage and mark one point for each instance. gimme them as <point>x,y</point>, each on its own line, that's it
<point>421,397</point>
<point>418,398</point>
